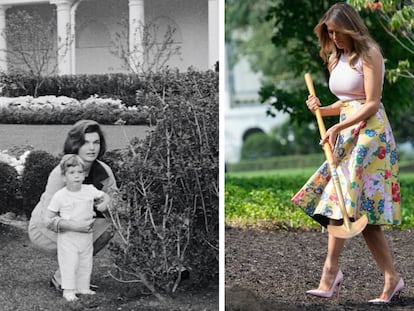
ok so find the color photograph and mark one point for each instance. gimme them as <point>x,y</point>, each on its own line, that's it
<point>318,155</point>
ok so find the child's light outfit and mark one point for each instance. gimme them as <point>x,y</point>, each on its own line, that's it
<point>75,249</point>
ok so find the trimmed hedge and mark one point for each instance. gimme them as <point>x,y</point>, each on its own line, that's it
<point>116,86</point>
<point>281,162</point>
<point>131,89</point>
<point>36,171</point>
<point>104,98</point>
<point>9,188</point>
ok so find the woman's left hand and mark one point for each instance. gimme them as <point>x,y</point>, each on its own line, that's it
<point>330,136</point>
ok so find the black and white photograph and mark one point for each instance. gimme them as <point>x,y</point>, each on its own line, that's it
<point>109,155</point>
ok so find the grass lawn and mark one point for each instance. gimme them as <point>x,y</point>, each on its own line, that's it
<point>50,138</point>
<point>25,272</point>
<point>262,199</point>
<point>289,172</point>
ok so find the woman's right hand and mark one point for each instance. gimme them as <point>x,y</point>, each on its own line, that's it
<point>313,103</point>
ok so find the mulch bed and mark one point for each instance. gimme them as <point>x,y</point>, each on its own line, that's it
<point>271,270</point>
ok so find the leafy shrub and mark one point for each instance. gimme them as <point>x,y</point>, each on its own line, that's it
<point>9,188</point>
<point>279,162</point>
<point>167,208</point>
<point>115,160</point>
<point>259,145</point>
<point>37,168</point>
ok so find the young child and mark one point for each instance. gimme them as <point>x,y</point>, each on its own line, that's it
<point>74,203</point>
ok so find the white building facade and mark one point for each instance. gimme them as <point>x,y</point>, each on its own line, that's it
<point>91,25</point>
<point>243,113</point>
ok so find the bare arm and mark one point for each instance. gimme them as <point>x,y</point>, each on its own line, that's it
<point>373,86</point>
<point>332,110</point>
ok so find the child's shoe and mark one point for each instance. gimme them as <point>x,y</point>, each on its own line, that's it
<point>70,295</point>
<point>85,292</point>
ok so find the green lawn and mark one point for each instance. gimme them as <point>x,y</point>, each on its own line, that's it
<point>263,199</point>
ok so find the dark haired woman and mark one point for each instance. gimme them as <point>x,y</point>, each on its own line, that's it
<point>87,140</point>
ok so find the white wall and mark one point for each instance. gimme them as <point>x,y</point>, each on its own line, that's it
<point>189,16</point>
<point>243,110</point>
<point>98,20</point>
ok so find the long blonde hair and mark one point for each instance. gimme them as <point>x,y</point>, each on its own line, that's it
<point>347,20</point>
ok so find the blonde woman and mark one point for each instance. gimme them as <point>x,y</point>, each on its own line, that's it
<point>364,149</point>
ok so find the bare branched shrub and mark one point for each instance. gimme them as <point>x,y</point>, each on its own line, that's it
<point>156,49</point>
<point>166,213</point>
<point>32,47</point>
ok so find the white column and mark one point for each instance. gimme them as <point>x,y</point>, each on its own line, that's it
<point>3,39</point>
<point>73,35</point>
<point>63,36</point>
<point>136,23</point>
<point>213,33</point>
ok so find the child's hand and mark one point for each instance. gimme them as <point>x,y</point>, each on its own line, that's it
<point>101,203</point>
<point>102,207</point>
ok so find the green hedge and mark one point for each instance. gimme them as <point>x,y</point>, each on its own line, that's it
<point>281,162</point>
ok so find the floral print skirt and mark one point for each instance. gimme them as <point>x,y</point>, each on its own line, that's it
<point>367,166</point>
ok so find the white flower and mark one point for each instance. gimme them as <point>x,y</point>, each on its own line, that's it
<point>18,164</point>
<point>19,168</point>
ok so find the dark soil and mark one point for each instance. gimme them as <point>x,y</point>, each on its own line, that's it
<point>24,284</point>
<point>271,270</point>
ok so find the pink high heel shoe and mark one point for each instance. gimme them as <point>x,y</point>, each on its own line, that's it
<point>396,293</point>
<point>328,293</point>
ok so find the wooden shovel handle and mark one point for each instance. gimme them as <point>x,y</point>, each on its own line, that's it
<point>329,157</point>
<point>321,125</point>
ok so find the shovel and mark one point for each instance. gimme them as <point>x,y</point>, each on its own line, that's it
<point>348,229</point>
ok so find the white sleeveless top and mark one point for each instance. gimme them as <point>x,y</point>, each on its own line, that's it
<point>347,83</point>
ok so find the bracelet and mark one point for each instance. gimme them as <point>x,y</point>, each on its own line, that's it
<point>54,224</point>
<point>58,220</point>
